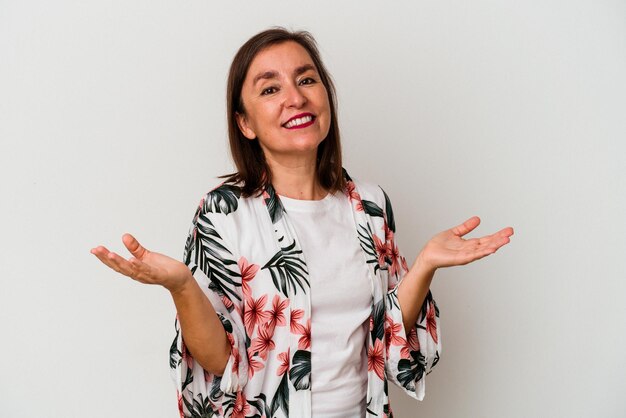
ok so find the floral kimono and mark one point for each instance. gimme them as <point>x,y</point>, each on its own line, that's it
<point>244,254</point>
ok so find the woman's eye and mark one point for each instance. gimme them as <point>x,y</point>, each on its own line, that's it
<point>307,80</point>
<point>268,90</point>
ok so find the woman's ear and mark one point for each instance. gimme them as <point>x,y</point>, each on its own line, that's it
<point>243,126</point>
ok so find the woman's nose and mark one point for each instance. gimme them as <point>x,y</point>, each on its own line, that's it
<point>294,97</point>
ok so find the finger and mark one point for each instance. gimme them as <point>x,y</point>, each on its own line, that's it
<point>132,268</point>
<point>136,249</point>
<point>470,256</point>
<point>102,253</point>
<point>466,226</point>
<point>123,266</point>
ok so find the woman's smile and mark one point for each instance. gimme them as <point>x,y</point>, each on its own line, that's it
<point>300,121</point>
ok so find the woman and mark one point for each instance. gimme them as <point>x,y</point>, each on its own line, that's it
<point>293,297</point>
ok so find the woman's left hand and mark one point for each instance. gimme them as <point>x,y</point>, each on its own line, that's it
<point>448,248</point>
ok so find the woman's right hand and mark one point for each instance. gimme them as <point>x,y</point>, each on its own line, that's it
<point>146,266</point>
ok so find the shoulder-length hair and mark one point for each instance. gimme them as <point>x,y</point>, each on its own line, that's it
<point>253,172</point>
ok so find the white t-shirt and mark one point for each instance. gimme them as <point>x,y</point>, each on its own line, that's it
<point>341,303</point>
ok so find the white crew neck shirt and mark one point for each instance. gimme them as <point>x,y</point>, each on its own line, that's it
<point>341,303</point>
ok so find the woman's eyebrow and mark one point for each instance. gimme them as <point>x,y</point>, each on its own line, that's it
<point>303,69</point>
<point>267,75</point>
<point>264,76</point>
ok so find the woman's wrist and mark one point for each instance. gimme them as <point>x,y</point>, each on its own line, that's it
<point>181,287</point>
<point>423,265</point>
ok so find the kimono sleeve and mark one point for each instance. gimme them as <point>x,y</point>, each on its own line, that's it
<point>411,354</point>
<point>213,263</point>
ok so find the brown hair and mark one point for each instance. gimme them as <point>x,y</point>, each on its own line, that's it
<point>252,169</point>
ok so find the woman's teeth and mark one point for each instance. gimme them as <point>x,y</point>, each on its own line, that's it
<point>298,122</point>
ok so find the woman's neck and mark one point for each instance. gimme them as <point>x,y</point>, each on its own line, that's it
<point>297,181</point>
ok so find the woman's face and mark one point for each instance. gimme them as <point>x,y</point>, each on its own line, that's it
<point>286,105</point>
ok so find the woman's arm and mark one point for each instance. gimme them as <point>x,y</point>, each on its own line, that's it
<point>202,330</point>
<point>204,334</point>
<point>412,292</point>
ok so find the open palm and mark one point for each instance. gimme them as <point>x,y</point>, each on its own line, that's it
<point>448,248</point>
<point>145,266</point>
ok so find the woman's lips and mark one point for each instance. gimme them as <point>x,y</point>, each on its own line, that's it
<point>300,121</point>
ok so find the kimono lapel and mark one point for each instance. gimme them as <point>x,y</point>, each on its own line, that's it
<point>376,386</point>
<point>293,276</point>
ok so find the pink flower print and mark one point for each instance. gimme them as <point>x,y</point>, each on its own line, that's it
<point>284,363</point>
<point>254,313</point>
<point>227,302</point>
<point>248,272</point>
<point>394,255</point>
<point>305,341</point>
<point>382,250</point>
<point>351,192</point>
<point>392,331</point>
<point>431,322</point>
<point>412,340</point>
<point>236,359</point>
<point>241,408</point>
<point>180,404</point>
<point>404,265</point>
<point>354,195</point>
<point>186,356</point>
<point>263,344</point>
<point>375,359</point>
<point>254,365</point>
<point>388,232</point>
<point>276,314</point>
<point>295,327</point>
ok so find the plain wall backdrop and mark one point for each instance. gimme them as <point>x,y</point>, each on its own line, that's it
<point>112,120</point>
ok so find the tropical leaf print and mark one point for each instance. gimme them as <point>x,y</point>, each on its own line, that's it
<point>190,243</point>
<point>372,208</point>
<point>345,174</point>
<point>369,247</point>
<point>435,361</point>
<point>392,300</point>
<point>281,397</point>
<point>223,199</point>
<point>426,304</point>
<point>287,268</point>
<point>228,327</point>
<point>260,404</point>
<point>216,393</point>
<point>274,206</point>
<point>378,318</point>
<point>411,369</point>
<point>300,372</point>
<point>368,410</point>
<point>239,405</point>
<point>199,408</point>
<point>188,378</point>
<point>388,413</point>
<point>391,223</point>
<point>175,355</point>
<point>208,245</point>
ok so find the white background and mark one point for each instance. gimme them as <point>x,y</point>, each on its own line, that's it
<point>112,120</point>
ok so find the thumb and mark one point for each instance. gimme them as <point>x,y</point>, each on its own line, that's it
<point>466,227</point>
<point>136,249</point>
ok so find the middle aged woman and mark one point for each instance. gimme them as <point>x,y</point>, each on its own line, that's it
<point>293,299</point>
